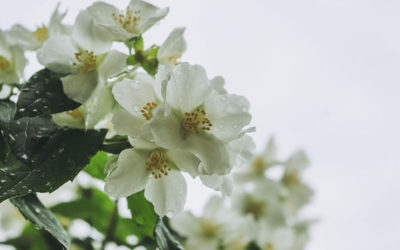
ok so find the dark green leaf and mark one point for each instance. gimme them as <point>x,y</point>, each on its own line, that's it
<point>252,246</point>
<point>43,94</point>
<point>48,156</point>
<point>33,210</point>
<point>165,240</point>
<point>97,165</point>
<point>142,213</point>
<point>7,112</point>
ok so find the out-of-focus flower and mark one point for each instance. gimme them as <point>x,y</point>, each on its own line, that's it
<point>138,17</point>
<point>32,40</point>
<point>172,48</point>
<point>275,238</point>
<point>11,221</point>
<point>12,61</point>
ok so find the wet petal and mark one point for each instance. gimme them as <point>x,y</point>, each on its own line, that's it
<point>168,193</point>
<point>130,176</point>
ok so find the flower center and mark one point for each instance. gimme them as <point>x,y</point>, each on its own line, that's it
<point>147,111</point>
<point>174,59</point>
<point>4,63</point>
<point>258,165</point>
<point>209,228</point>
<point>269,246</point>
<point>41,34</point>
<point>85,61</point>
<point>157,164</point>
<point>290,179</point>
<point>196,121</point>
<point>129,21</point>
<point>256,208</point>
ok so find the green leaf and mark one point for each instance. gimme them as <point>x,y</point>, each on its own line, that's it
<point>131,60</point>
<point>43,94</point>
<point>29,239</point>
<point>252,246</point>
<point>142,213</point>
<point>92,206</point>
<point>45,156</point>
<point>33,210</point>
<point>165,240</point>
<point>96,167</point>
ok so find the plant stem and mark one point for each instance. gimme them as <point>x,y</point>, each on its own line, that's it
<point>112,225</point>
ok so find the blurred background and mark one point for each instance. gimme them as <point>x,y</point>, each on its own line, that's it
<point>320,75</point>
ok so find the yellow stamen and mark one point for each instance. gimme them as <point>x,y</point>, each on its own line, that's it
<point>147,111</point>
<point>129,21</point>
<point>4,63</point>
<point>210,229</point>
<point>174,59</point>
<point>41,34</point>
<point>258,165</point>
<point>85,61</point>
<point>196,121</point>
<point>157,164</point>
<point>76,113</point>
<point>269,246</point>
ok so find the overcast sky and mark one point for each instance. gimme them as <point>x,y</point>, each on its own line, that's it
<point>321,75</point>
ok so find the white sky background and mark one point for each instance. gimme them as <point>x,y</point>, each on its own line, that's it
<point>320,75</point>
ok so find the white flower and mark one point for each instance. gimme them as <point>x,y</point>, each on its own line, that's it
<point>216,224</point>
<point>195,119</point>
<point>275,238</point>
<point>86,58</point>
<point>297,193</point>
<point>152,169</point>
<point>138,17</point>
<point>255,171</point>
<point>262,202</point>
<point>173,48</point>
<point>29,40</point>
<point>12,61</point>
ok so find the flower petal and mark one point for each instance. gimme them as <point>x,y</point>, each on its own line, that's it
<point>220,183</point>
<point>113,63</point>
<point>127,124</point>
<point>58,54</point>
<point>168,194</point>
<point>79,87</point>
<point>133,95</point>
<point>130,176</point>
<point>188,87</point>
<point>210,150</point>
<point>186,224</point>
<point>149,14</point>
<point>99,105</point>
<point>228,114</point>
<point>173,47</point>
<point>166,128</point>
<point>185,161</point>
<point>89,36</point>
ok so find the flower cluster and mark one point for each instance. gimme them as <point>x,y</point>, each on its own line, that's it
<point>175,117</point>
<point>263,212</point>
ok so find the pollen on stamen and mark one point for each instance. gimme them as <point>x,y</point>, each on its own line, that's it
<point>4,63</point>
<point>85,61</point>
<point>157,164</point>
<point>129,21</point>
<point>174,59</point>
<point>41,34</point>
<point>147,111</point>
<point>197,121</point>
